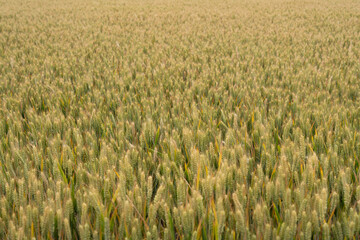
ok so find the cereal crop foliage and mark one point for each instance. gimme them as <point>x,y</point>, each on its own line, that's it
<point>188,119</point>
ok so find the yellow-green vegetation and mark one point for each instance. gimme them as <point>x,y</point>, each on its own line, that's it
<point>191,119</point>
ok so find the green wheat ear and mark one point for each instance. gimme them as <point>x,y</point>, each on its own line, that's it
<point>326,231</point>
<point>308,231</point>
<point>107,234</point>
<point>67,229</point>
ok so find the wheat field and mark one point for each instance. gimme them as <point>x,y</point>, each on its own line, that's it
<point>189,119</point>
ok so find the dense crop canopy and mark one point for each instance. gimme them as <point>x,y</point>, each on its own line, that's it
<point>190,119</point>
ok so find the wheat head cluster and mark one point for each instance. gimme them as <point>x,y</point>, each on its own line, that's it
<point>189,119</point>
